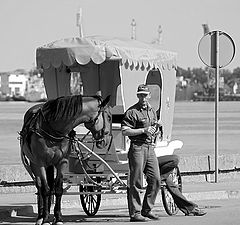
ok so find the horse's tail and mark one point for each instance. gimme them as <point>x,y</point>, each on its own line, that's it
<point>30,119</point>
<point>26,163</point>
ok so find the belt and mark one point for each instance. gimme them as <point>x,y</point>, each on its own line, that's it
<point>142,143</point>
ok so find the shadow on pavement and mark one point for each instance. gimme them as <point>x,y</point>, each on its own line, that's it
<point>22,217</point>
<point>17,214</point>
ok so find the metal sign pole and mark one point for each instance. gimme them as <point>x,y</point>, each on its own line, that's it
<point>216,107</point>
<point>215,64</point>
<point>212,40</point>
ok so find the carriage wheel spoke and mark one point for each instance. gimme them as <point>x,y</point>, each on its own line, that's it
<point>90,202</point>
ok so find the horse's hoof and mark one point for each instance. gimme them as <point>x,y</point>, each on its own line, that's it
<point>39,221</point>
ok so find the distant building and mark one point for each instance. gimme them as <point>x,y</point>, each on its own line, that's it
<point>4,87</point>
<point>12,84</point>
<point>17,84</point>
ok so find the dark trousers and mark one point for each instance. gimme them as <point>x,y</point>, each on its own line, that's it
<point>142,160</point>
<point>167,164</point>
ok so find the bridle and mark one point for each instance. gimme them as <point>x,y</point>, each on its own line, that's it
<point>92,123</point>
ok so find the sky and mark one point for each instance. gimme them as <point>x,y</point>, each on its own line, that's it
<point>26,25</point>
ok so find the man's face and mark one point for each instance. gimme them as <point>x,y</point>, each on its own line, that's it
<point>143,99</point>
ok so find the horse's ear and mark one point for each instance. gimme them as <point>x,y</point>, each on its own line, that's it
<point>99,93</point>
<point>105,101</point>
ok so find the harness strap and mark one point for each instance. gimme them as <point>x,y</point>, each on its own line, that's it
<point>45,134</point>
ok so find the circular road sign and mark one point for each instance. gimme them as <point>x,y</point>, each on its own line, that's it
<point>207,47</point>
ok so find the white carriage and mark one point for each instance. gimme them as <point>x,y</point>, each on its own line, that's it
<point>111,66</point>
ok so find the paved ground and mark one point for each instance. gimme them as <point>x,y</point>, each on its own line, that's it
<point>14,203</point>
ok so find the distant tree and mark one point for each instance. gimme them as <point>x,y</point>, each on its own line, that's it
<point>200,75</point>
<point>236,73</point>
<point>181,72</point>
<point>35,71</point>
<point>189,74</point>
<point>227,75</point>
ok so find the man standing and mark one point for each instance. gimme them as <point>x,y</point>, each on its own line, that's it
<point>140,125</point>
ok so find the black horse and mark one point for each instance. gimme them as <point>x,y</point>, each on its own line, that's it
<point>46,139</point>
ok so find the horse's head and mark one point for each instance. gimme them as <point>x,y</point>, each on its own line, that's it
<point>100,126</point>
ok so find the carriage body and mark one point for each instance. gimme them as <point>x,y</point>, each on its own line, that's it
<point>111,66</point>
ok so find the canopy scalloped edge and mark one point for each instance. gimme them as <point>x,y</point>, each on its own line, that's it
<point>132,53</point>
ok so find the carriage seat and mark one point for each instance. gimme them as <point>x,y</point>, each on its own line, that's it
<point>167,148</point>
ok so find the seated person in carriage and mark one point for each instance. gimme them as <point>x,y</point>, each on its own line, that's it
<point>140,125</point>
<point>166,165</point>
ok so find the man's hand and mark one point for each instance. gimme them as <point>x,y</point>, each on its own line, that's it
<point>150,130</point>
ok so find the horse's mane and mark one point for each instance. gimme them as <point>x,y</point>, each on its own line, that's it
<point>64,107</point>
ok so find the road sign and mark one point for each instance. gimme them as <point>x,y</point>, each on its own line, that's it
<point>208,46</point>
<point>216,49</point>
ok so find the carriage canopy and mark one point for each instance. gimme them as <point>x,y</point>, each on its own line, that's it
<point>114,66</point>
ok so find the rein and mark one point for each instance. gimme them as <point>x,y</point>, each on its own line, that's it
<point>87,156</point>
<point>82,158</point>
<point>46,134</point>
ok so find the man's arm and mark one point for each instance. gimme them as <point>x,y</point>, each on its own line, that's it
<point>127,131</point>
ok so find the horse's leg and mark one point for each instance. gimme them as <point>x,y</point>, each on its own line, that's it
<point>39,201</point>
<point>45,192</point>
<point>50,180</point>
<point>59,191</point>
<point>39,195</point>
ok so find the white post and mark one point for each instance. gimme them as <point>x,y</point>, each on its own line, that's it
<point>79,22</point>
<point>160,34</point>
<point>133,24</point>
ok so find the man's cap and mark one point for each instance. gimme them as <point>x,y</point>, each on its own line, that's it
<point>143,89</point>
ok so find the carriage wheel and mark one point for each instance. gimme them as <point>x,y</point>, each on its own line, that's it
<point>167,199</point>
<point>90,202</point>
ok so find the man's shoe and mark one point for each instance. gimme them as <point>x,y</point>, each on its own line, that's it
<point>196,212</point>
<point>137,218</point>
<point>151,216</point>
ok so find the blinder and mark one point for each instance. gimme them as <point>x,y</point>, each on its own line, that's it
<point>90,124</point>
